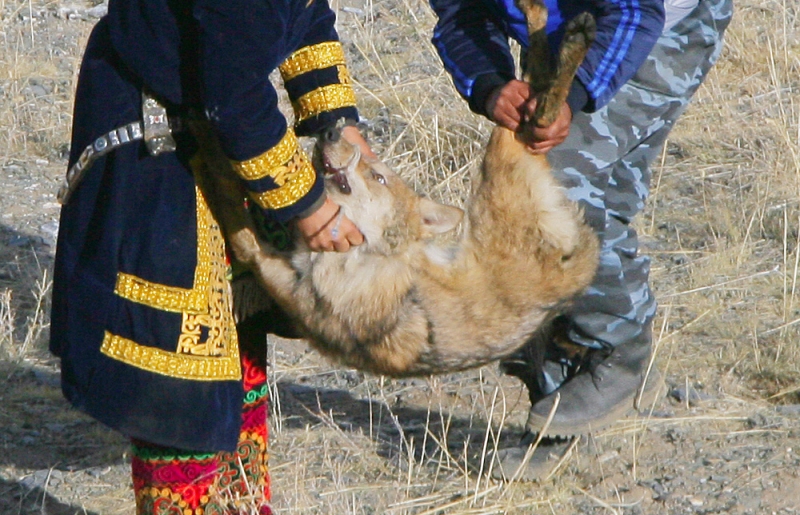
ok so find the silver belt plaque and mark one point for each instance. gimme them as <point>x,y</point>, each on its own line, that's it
<point>157,133</point>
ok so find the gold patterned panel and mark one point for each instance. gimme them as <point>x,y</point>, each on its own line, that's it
<point>326,98</point>
<point>170,364</point>
<point>344,75</point>
<point>205,309</point>
<point>159,296</point>
<point>217,318</point>
<point>313,57</point>
<point>296,180</point>
<point>171,298</point>
<point>265,164</point>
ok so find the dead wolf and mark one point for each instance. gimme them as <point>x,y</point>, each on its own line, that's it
<point>402,305</point>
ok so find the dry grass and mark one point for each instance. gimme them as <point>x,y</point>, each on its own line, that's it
<point>24,312</point>
<point>729,210</point>
<point>37,71</point>
<point>722,227</point>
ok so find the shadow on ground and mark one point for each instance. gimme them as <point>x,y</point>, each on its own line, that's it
<point>41,436</point>
<point>397,430</point>
<point>19,499</point>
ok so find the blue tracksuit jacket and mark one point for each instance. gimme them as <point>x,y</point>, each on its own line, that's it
<point>472,40</point>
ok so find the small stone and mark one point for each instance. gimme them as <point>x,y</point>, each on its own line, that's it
<point>354,10</point>
<point>692,395</point>
<point>42,478</point>
<point>37,90</point>
<point>98,472</point>
<point>65,11</point>
<point>19,241</point>
<point>50,229</point>
<point>98,11</point>
<point>660,413</point>
<point>789,409</point>
<point>659,491</point>
<point>47,378</point>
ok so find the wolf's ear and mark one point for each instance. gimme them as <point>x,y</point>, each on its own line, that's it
<point>438,218</point>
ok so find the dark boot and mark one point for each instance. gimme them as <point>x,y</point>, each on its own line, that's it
<point>546,360</point>
<point>607,386</point>
<point>527,363</point>
<point>548,349</point>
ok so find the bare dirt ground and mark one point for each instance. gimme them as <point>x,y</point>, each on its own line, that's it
<point>722,228</point>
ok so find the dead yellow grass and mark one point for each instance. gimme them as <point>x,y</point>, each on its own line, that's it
<point>731,207</point>
<point>722,227</point>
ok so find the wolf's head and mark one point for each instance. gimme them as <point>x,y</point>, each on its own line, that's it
<point>389,213</point>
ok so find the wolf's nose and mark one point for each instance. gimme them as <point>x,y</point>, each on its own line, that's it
<point>331,134</point>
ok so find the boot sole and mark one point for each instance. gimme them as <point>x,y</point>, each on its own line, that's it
<point>645,397</point>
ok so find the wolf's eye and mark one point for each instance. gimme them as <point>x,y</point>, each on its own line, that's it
<point>378,177</point>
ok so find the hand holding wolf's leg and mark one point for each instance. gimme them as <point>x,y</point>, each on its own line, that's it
<point>513,104</point>
<point>541,140</point>
<point>506,105</point>
<point>328,229</point>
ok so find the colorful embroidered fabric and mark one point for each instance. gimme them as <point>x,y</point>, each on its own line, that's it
<point>169,481</point>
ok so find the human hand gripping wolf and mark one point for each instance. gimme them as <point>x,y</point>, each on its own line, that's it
<point>401,305</point>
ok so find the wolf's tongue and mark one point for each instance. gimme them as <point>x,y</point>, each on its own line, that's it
<point>340,179</point>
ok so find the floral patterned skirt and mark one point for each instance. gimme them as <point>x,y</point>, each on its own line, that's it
<point>169,481</point>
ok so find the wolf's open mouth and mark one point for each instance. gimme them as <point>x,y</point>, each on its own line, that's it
<point>338,176</point>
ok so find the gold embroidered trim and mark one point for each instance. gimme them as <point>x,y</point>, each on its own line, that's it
<point>206,309</point>
<point>170,364</point>
<point>326,98</point>
<point>295,182</point>
<point>264,165</point>
<point>172,298</point>
<point>310,58</point>
<point>344,75</point>
<point>159,296</point>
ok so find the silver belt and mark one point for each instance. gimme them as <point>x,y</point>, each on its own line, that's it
<point>155,129</point>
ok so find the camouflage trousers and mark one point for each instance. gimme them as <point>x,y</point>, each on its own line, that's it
<point>605,166</point>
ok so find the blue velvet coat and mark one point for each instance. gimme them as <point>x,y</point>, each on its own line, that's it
<point>141,313</point>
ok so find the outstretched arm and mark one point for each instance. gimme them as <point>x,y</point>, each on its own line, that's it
<point>240,42</point>
<point>473,47</point>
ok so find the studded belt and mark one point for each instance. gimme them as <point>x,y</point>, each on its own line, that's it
<point>155,128</point>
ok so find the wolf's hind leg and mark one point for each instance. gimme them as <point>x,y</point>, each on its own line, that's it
<point>538,70</point>
<point>577,39</point>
